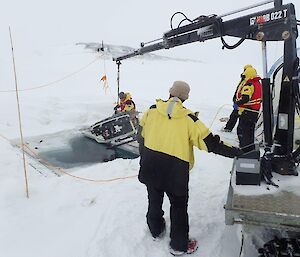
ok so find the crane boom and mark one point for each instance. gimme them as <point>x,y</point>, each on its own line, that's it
<point>267,25</point>
<point>274,24</point>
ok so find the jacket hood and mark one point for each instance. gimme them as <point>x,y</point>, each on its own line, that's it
<point>250,73</point>
<point>127,97</point>
<point>172,108</point>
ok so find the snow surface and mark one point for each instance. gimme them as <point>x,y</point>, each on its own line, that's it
<point>69,217</point>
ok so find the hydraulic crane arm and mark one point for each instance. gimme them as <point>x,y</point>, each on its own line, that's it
<point>274,24</point>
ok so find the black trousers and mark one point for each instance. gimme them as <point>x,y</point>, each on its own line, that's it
<point>246,129</point>
<point>178,214</point>
<point>233,118</point>
<point>162,173</point>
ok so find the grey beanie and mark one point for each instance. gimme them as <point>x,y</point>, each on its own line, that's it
<point>180,89</point>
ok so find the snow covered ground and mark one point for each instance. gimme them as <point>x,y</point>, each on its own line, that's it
<point>71,217</point>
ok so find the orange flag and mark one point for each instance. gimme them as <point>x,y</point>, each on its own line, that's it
<point>105,83</point>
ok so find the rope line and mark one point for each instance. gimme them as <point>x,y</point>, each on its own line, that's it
<point>55,81</point>
<point>220,108</point>
<point>61,170</point>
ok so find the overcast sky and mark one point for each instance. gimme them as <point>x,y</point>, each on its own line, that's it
<point>119,22</point>
<point>38,26</point>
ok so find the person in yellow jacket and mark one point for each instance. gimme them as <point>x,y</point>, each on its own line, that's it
<point>234,116</point>
<point>126,104</point>
<point>168,131</point>
<point>248,100</point>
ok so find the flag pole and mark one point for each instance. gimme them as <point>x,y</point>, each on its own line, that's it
<point>19,115</point>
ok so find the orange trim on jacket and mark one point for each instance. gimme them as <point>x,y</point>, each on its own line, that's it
<point>255,97</point>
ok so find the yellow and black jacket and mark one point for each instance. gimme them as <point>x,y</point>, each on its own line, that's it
<point>249,92</point>
<point>168,133</point>
<point>127,104</point>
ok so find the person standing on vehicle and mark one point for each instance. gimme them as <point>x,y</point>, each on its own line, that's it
<point>126,104</point>
<point>167,133</point>
<point>234,116</point>
<point>248,100</point>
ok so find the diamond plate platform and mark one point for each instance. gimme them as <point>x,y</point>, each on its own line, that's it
<point>273,210</point>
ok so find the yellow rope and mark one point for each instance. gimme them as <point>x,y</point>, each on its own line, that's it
<point>58,169</point>
<point>50,166</point>
<point>53,82</point>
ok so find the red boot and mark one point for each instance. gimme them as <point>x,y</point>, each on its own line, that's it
<point>192,247</point>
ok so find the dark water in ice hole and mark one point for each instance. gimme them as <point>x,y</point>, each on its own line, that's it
<point>83,151</point>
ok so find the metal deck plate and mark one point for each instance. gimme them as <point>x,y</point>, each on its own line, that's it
<point>279,208</point>
<point>283,202</point>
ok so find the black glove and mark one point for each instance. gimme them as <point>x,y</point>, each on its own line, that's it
<point>215,145</point>
<point>237,151</point>
<point>116,107</point>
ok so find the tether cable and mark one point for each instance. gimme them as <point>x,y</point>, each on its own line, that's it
<point>220,108</point>
<point>55,81</point>
<point>58,170</point>
<point>61,170</point>
<point>242,244</point>
<point>19,115</point>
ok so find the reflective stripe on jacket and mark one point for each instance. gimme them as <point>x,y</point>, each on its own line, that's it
<point>253,89</point>
<point>127,104</point>
<point>172,129</point>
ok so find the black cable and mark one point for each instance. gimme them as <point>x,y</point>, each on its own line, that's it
<point>274,76</point>
<point>182,22</point>
<point>185,18</point>
<point>225,45</point>
<point>242,244</point>
<point>296,94</point>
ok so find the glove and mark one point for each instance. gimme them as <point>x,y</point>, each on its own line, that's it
<point>237,151</point>
<point>116,107</point>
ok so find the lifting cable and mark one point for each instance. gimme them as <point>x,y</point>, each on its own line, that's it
<point>41,160</point>
<point>58,170</point>
<point>104,76</point>
<point>55,81</point>
<point>118,79</point>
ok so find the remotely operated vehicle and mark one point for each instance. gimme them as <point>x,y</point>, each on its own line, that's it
<point>116,130</point>
<point>277,213</point>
